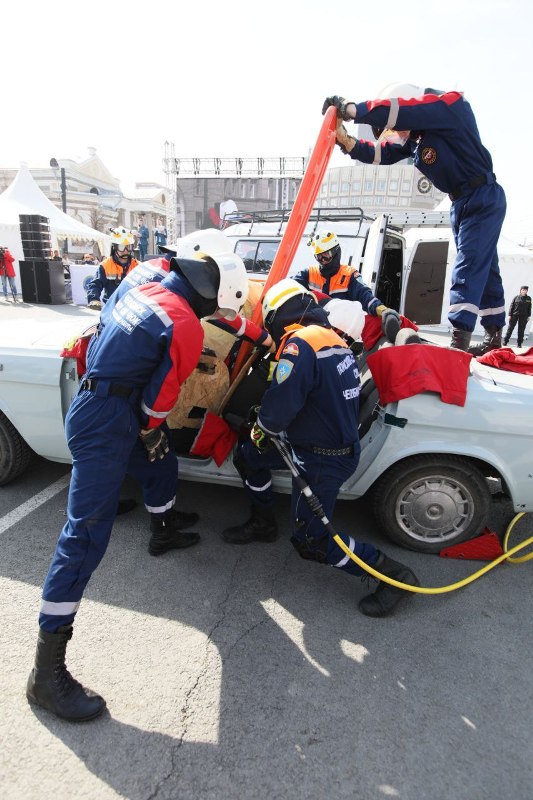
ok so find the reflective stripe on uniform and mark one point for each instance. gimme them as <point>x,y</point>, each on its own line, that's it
<point>344,561</point>
<point>161,509</point>
<point>59,609</point>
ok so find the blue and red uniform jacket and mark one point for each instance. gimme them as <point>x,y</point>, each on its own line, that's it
<point>151,341</point>
<point>449,149</point>
<point>346,284</point>
<point>314,394</point>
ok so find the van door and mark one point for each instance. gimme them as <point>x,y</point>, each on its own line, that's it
<point>372,258</point>
<point>426,274</point>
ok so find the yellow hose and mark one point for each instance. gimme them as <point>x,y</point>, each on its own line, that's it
<point>453,586</point>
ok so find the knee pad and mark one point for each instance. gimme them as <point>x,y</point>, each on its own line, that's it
<point>312,549</point>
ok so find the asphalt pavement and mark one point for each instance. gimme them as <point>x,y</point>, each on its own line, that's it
<point>245,672</point>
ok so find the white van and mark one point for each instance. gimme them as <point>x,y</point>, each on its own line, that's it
<point>405,257</point>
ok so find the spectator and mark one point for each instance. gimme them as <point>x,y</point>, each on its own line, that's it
<point>56,256</point>
<point>144,236</point>
<point>160,234</point>
<point>7,273</point>
<point>519,311</point>
<point>89,258</point>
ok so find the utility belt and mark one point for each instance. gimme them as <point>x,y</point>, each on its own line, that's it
<point>105,389</point>
<point>473,183</point>
<point>331,451</point>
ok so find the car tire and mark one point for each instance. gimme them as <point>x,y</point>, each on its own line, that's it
<point>15,454</point>
<point>427,503</point>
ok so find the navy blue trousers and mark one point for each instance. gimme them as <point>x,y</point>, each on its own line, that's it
<point>476,288</point>
<point>102,434</point>
<point>325,475</point>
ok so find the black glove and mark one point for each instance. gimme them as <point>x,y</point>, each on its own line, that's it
<point>340,104</point>
<point>155,443</point>
<point>391,322</point>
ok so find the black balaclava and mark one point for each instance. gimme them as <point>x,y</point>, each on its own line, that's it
<point>328,270</point>
<point>202,306</point>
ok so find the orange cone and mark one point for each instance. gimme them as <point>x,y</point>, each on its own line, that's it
<point>486,547</point>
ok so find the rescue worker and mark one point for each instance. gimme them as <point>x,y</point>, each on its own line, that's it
<point>112,270</point>
<point>340,281</point>
<point>439,132</point>
<point>314,399</point>
<point>519,312</point>
<point>135,367</point>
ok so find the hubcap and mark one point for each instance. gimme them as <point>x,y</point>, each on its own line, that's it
<point>437,508</point>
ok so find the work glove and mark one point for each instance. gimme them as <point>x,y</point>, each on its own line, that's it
<point>391,322</point>
<point>259,437</point>
<point>341,105</point>
<point>155,443</point>
<point>344,140</point>
<point>95,304</point>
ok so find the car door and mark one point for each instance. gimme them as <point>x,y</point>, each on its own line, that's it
<point>373,253</point>
<point>425,279</point>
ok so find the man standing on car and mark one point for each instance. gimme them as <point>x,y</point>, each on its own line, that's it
<point>439,132</point>
<point>135,368</point>
<point>314,398</point>
<point>519,312</point>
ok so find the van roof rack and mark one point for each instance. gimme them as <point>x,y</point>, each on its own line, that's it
<point>282,215</point>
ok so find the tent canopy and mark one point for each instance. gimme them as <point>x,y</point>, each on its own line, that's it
<point>24,196</point>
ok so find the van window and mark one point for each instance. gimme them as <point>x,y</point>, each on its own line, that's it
<point>257,256</point>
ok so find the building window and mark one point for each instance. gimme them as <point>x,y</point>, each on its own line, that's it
<point>356,187</point>
<point>334,188</point>
<point>393,201</point>
<point>382,186</point>
<point>324,189</point>
<point>345,187</point>
<point>406,186</point>
<point>344,201</point>
<point>199,219</point>
<point>380,200</point>
<point>243,189</point>
<point>198,187</point>
<point>404,201</point>
<point>393,185</point>
<point>252,189</point>
<point>369,186</point>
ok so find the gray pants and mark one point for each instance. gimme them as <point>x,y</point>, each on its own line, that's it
<point>5,279</point>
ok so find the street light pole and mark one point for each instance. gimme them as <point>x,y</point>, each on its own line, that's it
<point>55,166</point>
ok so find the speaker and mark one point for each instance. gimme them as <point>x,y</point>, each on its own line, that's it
<point>42,282</point>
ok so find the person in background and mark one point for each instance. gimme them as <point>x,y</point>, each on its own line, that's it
<point>135,368</point>
<point>160,234</point>
<point>56,256</point>
<point>144,237</point>
<point>112,270</point>
<point>7,273</point>
<point>439,132</point>
<point>89,259</point>
<point>313,399</point>
<point>519,313</point>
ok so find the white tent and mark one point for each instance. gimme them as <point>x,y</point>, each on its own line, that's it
<point>23,196</point>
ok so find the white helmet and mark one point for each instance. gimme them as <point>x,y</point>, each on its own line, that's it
<point>278,294</point>
<point>346,316</point>
<point>406,90</point>
<point>209,241</point>
<point>122,237</point>
<point>323,241</point>
<point>221,276</point>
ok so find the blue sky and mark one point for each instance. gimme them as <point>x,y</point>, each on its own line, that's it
<point>228,79</point>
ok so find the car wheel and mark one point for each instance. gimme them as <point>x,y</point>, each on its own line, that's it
<point>427,503</point>
<point>14,452</point>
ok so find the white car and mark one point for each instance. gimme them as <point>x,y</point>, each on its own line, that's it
<point>426,465</point>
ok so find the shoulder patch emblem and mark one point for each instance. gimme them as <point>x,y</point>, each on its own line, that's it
<point>291,349</point>
<point>283,370</point>
<point>429,155</point>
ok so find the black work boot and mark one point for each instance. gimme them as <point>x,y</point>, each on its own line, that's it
<point>386,597</point>
<point>261,527</point>
<point>51,685</point>
<point>167,533</point>
<point>460,340</point>
<point>491,341</point>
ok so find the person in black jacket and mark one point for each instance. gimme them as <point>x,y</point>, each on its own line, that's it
<point>519,311</point>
